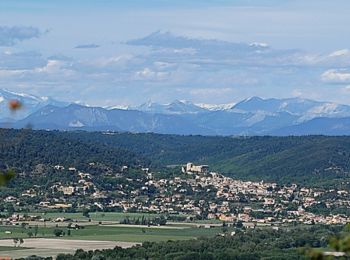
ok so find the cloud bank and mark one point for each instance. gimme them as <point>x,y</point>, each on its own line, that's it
<point>176,67</point>
<point>9,36</point>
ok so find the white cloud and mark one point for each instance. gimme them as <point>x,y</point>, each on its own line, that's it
<point>338,53</point>
<point>202,69</point>
<point>110,61</point>
<point>54,67</point>
<point>164,65</point>
<point>5,73</point>
<point>188,51</point>
<point>297,93</point>
<point>149,74</point>
<point>12,60</point>
<point>336,76</point>
<point>259,44</point>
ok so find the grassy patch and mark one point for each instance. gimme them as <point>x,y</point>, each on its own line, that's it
<point>95,216</point>
<point>139,234</point>
<point>108,233</point>
<point>11,248</point>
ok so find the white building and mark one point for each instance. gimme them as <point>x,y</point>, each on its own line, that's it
<point>191,168</point>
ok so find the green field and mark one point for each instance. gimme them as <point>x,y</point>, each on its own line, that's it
<point>18,232</point>
<point>93,231</point>
<point>115,233</point>
<point>109,216</point>
<point>11,248</point>
<point>95,216</point>
<point>136,234</point>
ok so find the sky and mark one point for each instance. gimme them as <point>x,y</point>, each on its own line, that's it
<point>108,53</point>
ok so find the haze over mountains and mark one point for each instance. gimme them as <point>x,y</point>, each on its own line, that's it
<point>253,116</point>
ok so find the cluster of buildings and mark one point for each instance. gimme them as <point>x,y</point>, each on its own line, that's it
<point>195,193</point>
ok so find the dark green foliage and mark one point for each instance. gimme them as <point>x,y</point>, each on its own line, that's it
<point>86,213</point>
<point>252,244</point>
<point>58,232</point>
<point>311,160</point>
<point>157,221</point>
<point>26,149</point>
<point>307,160</point>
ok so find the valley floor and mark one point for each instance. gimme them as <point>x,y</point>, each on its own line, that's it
<point>52,247</point>
<point>93,236</point>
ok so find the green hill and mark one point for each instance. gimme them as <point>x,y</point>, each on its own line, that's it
<point>306,159</point>
<point>310,160</point>
<point>25,149</point>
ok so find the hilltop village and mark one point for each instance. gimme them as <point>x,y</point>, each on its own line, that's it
<point>193,193</point>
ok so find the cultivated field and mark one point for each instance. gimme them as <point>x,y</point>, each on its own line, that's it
<point>103,231</point>
<point>114,233</point>
<point>53,247</point>
<point>94,216</point>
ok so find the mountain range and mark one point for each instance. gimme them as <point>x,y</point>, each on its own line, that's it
<point>30,104</point>
<point>253,116</point>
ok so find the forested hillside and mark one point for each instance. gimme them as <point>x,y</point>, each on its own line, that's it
<point>307,160</point>
<point>26,149</point>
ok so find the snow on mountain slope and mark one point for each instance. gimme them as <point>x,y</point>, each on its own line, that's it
<point>176,107</point>
<point>215,107</point>
<point>253,116</point>
<point>305,109</point>
<point>30,104</point>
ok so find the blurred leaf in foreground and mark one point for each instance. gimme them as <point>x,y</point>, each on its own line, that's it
<point>5,177</point>
<point>14,105</point>
<point>339,248</point>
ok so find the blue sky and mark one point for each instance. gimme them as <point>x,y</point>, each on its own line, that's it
<point>128,52</point>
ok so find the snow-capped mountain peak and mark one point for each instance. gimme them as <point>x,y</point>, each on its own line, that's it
<point>175,107</point>
<point>215,107</point>
<point>252,116</point>
<point>6,94</point>
<point>30,104</point>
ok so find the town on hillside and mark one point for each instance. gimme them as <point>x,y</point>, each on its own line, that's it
<point>194,193</point>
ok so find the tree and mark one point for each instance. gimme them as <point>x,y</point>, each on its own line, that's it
<point>224,227</point>
<point>21,241</point>
<point>15,241</point>
<point>86,213</point>
<point>10,209</point>
<point>23,226</point>
<point>36,230</point>
<point>58,232</point>
<point>143,220</point>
